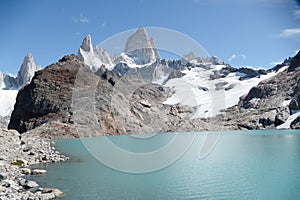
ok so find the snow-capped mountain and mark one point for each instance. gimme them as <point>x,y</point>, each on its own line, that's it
<point>213,85</point>
<point>140,51</point>
<point>10,85</point>
<point>94,57</point>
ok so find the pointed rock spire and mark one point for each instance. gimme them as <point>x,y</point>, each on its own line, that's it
<point>87,44</point>
<point>27,70</point>
<point>94,57</point>
<point>141,48</point>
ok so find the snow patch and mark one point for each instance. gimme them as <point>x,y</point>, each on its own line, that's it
<point>287,123</point>
<point>286,103</point>
<point>7,101</point>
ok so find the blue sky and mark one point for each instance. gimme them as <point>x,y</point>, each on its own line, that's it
<point>242,33</point>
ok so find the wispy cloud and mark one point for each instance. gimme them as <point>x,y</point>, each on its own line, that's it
<point>237,56</point>
<point>297,14</point>
<point>290,33</point>
<point>81,19</point>
<point>275,63</point>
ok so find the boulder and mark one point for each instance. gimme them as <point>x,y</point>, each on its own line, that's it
<point>31,184</point>
<point>38,171</point>
<point>25,170</point>
<point>54,191</point>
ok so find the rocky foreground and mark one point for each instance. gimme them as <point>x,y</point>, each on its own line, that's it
<point>18,154</point>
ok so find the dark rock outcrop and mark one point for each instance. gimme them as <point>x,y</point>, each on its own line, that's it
<point>295,63</point>
<point>47,97</point>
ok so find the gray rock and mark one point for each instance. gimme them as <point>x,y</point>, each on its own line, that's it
<point>51,99</point>
<point>31,184</point>
<point>220,85</point>
<point>27,70</point>
<point>47,196</point>
<point>229,87</point>
<point>22,182</point>
<point>8,183</point>
<point>141,48</point>
<point>189,56</point>
<point>38,171</point>
<point>203,88</point>
<point>294,104</point>
<point>2,176</point>
<point>57,193</point>
<point>296,123</point>
<point>295,63</point>
<point>94,57</point>
<point>25,171</point>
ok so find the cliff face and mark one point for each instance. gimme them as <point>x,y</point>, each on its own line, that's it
<point>47,97</point>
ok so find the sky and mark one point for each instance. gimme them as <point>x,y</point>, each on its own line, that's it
<point>257,33</point>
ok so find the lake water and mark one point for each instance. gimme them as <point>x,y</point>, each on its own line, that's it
<point>243,165</point>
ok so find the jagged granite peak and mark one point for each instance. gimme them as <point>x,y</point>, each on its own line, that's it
<point>141,47</point>
<point>94,57</point>
<point>189,56</point>
<point>25,73</point>
<point>87,44</point>
<point>137,40</point>
<point>195,60</point>
<point>216,61</point>
<point>27,70</point>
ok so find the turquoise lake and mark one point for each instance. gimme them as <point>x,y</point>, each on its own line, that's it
<point>242,165</point>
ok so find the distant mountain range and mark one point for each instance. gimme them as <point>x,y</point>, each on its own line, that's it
<point>188,94</point>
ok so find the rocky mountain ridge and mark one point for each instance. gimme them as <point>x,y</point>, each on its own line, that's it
<point>192,93</point>
<point>56,99</point>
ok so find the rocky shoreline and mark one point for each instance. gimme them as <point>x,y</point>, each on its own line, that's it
<point>18,154</point>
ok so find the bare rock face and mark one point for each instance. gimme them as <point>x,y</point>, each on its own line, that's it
<point>47,97</point>
<point>141,48</point>
<point>295,63</point>
<point>25,74</point>
<point>27,70</point>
